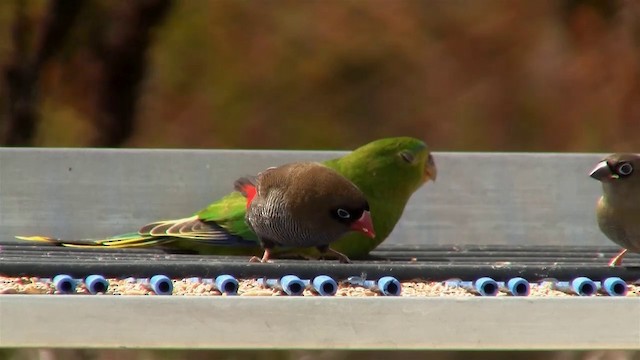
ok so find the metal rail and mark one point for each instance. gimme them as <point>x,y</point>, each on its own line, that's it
<point>403,262</point>
<point>319,323</point>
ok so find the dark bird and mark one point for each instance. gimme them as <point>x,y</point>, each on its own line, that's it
<point>304,204</point>
<point>618,209</point>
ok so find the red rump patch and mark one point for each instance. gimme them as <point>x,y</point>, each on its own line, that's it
<point>249,192</point>
<point>247,188</point>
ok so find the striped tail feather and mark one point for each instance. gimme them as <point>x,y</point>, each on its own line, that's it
<point>133,240</point>
<point>37,238</point>
<point>157,234</point>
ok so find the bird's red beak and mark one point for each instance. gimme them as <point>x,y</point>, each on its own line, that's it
<point>364,225</point>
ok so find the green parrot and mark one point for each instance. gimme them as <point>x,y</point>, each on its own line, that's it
<point>388,171</point>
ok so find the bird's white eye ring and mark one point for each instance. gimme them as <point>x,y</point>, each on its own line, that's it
<point>625,169</point>
<point>343,213</point>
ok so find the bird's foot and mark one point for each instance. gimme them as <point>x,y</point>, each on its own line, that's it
<point>341,257</point>
<point>266,257</point>
<point>617,260</point>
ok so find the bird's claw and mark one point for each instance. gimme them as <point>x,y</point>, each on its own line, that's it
<point>265,257</point>
<point>617,260</point>
<point>614,263</point>
<point>342,258</point>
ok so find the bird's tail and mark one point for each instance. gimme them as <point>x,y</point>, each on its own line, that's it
<point>157,234</point>
<point>44,239</point>
<point>120,241</point>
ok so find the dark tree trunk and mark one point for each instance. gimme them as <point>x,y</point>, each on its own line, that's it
<point>22,72</point>
<point>123,56</point>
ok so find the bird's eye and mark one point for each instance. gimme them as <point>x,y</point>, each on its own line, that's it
<point>342,213</point>
<point>625,169</point>
<point>407,157</point>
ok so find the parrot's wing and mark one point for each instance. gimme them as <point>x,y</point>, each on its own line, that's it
<point>196,229</point>
<point>228,215</point>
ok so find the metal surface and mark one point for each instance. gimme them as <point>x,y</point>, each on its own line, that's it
<point>78,193</point>
<point>403,262</point>
<point>319,323</point>
<point>479,198</point>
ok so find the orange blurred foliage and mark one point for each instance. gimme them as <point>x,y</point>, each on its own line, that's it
<point>475,75</point>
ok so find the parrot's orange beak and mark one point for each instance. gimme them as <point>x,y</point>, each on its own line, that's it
<point>364,225</point>
<point>430,170</point>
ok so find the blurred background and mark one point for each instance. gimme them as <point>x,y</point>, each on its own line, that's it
<point>316,355</point>
<point>560,75</point>
<point>486,75</point>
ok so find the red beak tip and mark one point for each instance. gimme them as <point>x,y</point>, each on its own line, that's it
<point>364,225</point>
<point>369,233</point>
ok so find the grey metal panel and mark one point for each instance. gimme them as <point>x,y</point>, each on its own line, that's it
<point>479,198</point>
<point>506,198</point>
<point>80,193</point>
<point>487,198</point>
<point>319,323</point>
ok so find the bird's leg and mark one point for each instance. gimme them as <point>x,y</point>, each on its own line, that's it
<point>325,249</point>
<point>617,260</point>
<point>266,256</point>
